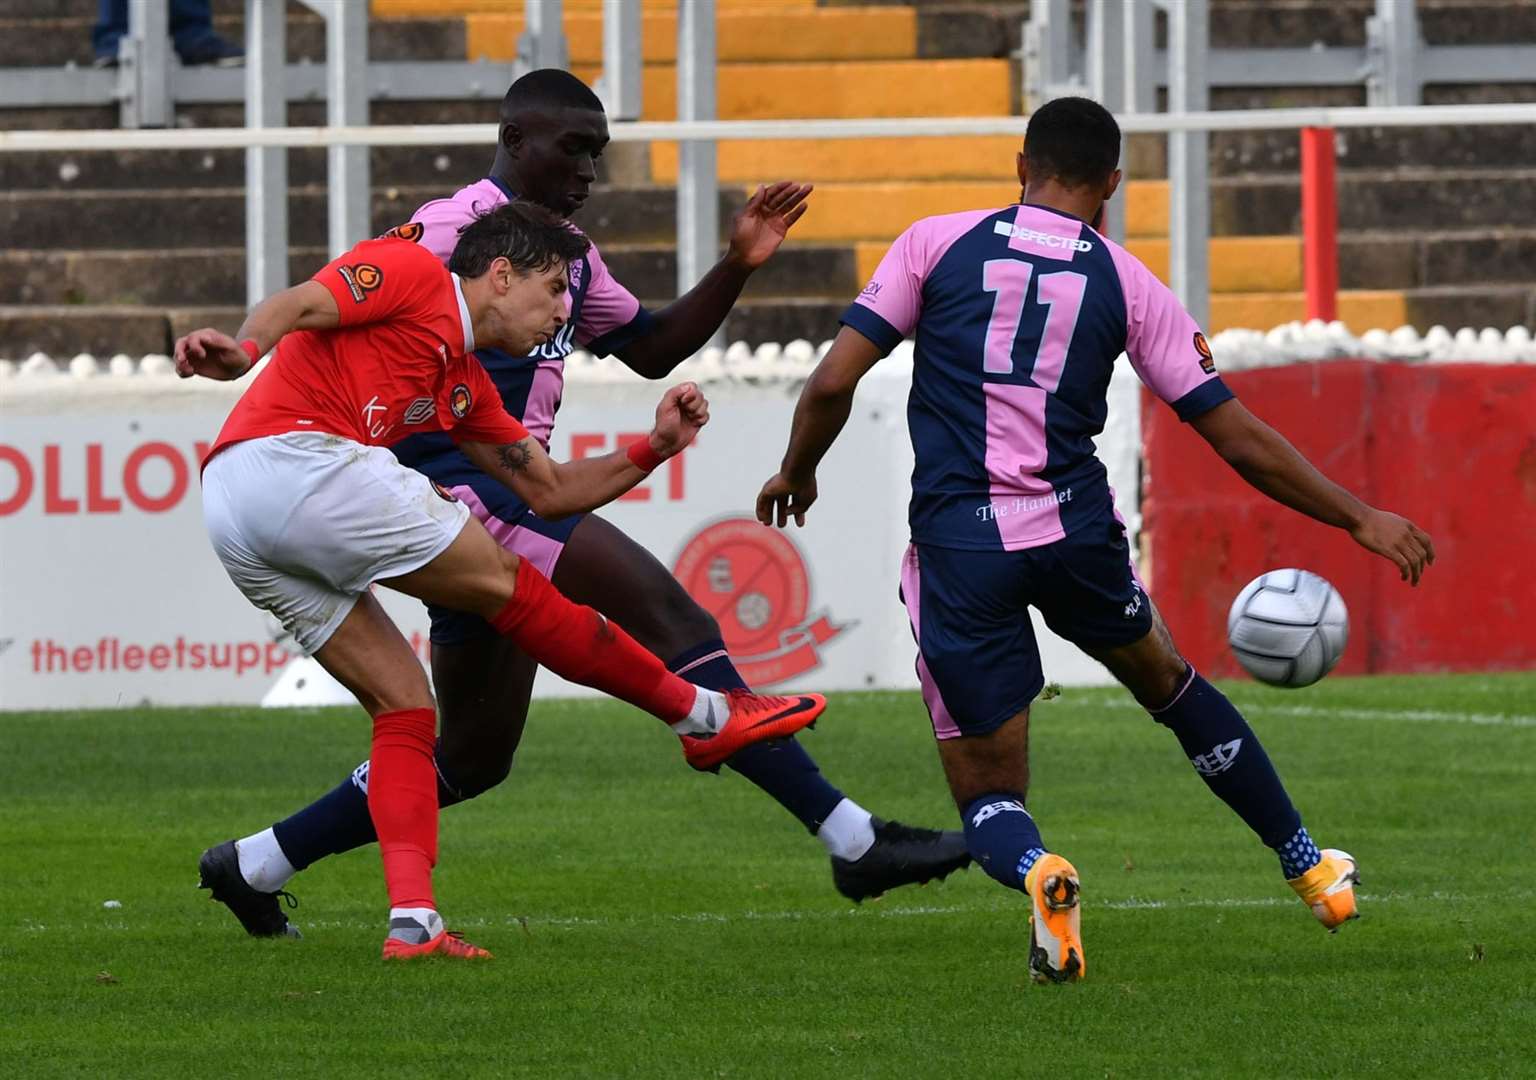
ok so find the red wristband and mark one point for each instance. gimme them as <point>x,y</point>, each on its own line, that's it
<point>644,458</point>
<point>250,349</point>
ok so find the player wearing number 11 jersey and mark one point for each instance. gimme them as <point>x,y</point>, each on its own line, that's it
<point>1019,315</point>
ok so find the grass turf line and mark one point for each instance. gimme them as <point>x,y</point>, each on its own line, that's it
<point>651,922</point>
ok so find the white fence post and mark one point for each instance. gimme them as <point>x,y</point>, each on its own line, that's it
<point>144,58</point>
<point>266,167</point>
<point>620,86</point>
<point>350,211</point>
<point>542,44</point>
<point>1107,84</point>
<point>1392,53</point>
<point>698,185</point>
<point>1189,211</point>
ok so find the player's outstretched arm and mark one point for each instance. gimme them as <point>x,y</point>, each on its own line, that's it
<point>215,355</point>
<point>557,489</point>
<point>820,414</point>
<point>682,327</point>
<point>1263,457</point>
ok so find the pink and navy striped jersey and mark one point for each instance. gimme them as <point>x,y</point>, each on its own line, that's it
<point>604,317</point>
<point>1019,315</point>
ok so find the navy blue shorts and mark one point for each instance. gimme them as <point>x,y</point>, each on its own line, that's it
<point>515,527</point>
<point>978,661</point>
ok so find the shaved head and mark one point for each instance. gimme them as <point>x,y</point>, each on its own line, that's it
<point>547,90</point>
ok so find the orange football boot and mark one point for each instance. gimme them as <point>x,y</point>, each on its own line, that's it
<point>448,943</point>
<point>1056,940</point>
<point>753,718</point>
<point>1329,889</point>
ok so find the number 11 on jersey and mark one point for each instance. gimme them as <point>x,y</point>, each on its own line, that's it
<point>1062,294</point>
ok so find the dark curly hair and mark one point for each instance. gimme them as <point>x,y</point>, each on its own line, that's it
<point>525,234</point>
<point>1073,140</point>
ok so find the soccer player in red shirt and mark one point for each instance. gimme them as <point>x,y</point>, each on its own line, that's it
<point>307,508</point>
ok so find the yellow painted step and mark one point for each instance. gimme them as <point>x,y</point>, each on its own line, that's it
<point>877,211</point>
<point>881,210</point>
<point>411,9</point>
<point>1239,264</point>
<point>855,89</point>
<point>1263,311</point>
<point>962,158</point>
<point>790,34</point>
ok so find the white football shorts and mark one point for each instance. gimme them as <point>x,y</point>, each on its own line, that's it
<point>305,522</point>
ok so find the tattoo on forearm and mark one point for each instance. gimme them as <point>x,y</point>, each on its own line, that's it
<point>514,457</point>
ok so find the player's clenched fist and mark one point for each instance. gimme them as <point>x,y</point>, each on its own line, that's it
<point>783,498</point>
<point>211,354</point>
<point>682,412</point>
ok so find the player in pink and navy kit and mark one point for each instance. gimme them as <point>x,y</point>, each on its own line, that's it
<point>1019,315</point>
<point>553,130</point>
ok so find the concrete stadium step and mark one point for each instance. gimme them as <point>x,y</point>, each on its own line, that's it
<point>215,217</point>
<point>1406,201</point>
<point>69,329</point>
<point>448,167</point>
<point>983,158</point>
<point>761,33</point>
<point>856,88</point>
<point>53,40</point>
<point>1239,264</point>
<point>391,9</point>
<point>216,276</point>
<point>1476,306</point>
<point>187,277</point>
<point>1362,308</point>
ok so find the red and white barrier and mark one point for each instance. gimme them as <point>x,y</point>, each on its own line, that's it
<point>1452,446</point>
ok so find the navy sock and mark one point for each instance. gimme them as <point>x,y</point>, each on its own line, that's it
<point>781,767</point>
<point>1231,760</point>
<point>339,820</point>
<point>1002,837</point>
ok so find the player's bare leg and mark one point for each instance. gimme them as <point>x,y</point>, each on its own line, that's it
<point>1229,757</point>
<point>989,779</point>
<point>368,655</point>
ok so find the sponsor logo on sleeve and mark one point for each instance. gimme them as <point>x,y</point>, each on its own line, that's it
<point>411,230</point>
<point>361,279</point>
<point>870,292</point>
<point>459,401</point>
<point>1203,350</point>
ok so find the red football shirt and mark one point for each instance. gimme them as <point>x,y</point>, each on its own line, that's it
<point>400,362</point>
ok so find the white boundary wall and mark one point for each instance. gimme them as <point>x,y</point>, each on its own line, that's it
<point>111,595</point>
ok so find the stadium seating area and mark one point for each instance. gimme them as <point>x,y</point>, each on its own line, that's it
<point>119,252</point>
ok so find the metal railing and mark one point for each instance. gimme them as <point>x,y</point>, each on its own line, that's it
<point>1192,287</point>
<point>1117,63</point>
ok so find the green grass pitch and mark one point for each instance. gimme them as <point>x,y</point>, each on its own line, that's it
<point>652,922</point>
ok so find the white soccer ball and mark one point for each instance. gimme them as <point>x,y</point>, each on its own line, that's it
<point>1288,628</point>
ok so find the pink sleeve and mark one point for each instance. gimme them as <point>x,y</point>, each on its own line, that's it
<point>1164,343</point>
<point>436,226</point>
<point>610,316</point>
<point>895,293</point>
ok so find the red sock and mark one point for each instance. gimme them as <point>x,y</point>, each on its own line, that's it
<point>402,799</point>
<point>578,644</point>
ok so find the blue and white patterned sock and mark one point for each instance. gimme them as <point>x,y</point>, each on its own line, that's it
<point>1298,854</point>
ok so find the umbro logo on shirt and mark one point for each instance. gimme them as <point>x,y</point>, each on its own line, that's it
<point>420,411</point>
